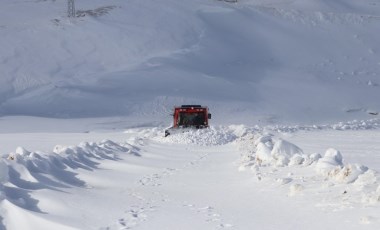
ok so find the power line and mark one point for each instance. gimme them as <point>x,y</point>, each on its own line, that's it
<point>70,9</point>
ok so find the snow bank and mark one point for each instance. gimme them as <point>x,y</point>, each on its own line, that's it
<point>203,137</point>
<point>23,170</point>
<point>4,177</point>
<point>332,161</point>
<point>331,165</point>
<point>3,172</point>
<point>270,159</point>
<point>279,153</point>
<point>346,125</point>
<point>283,152</point>
<point>368,179</point>
<point>263,153</point>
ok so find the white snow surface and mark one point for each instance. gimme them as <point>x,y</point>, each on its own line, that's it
<point>147,181</point>
<point>293,86</point>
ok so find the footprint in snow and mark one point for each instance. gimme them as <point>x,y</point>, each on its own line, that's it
<point>133,218</point>
<point>226,225</point>
<point>153,180</point>
<point>211,216</point>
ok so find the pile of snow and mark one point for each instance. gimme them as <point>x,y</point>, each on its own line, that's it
<point>203,137</point>
<point>331,161</point>
<point>346,125</point>
<point>357,125</point>
<point>278,153</point>
<point>331,165</point>
<point>4,177</point>
<point>23,170</point>
<point>272,159</point>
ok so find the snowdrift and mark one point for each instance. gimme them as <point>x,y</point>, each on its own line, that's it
<point>24,171</point>
<point>203,137</point>
<point>283,163</point>
<point>373,123</point>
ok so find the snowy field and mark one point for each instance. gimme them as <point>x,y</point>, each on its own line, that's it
<point>234,177</point>
<point>292,85</point>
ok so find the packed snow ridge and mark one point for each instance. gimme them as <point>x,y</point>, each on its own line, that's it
<point>343,125</point>
<point>277,160</point>
<point>23,170</point>
<point>203,137</point>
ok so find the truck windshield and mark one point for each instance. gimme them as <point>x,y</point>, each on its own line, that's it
<point>191,119</point>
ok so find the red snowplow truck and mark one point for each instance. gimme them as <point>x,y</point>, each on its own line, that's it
<point>189,117</point>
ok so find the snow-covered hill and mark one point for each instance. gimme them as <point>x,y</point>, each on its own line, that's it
<point>293,86</point>
<point>303,61</point>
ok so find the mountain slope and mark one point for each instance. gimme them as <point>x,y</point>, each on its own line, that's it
<point>303,61</point>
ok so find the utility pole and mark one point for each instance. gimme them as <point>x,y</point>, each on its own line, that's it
<point>70,9</point>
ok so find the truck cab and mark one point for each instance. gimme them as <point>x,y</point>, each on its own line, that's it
<point>189,116</point>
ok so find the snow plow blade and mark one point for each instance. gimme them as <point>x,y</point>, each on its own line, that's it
<point>173,131</point>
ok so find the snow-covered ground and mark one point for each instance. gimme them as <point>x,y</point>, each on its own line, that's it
<point>293,86</point>
<point>207,179</point>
